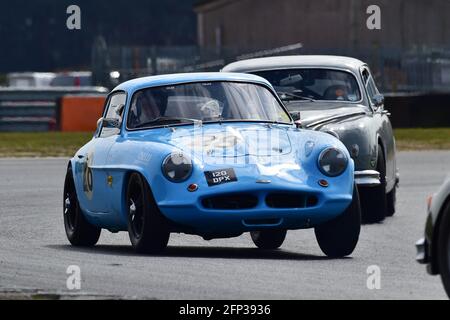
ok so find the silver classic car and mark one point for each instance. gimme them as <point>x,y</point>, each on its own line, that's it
<point>338,95</point>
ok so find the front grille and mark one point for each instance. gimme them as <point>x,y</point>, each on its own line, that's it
<point>291,200</point>
<point>231,202</point>
<point>259,222</point>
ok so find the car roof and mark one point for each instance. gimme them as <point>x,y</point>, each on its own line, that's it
<point>179,78</point>
<point>286,62</point>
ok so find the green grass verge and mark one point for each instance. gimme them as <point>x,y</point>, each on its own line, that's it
<point>423,139</point>
<point>65,144</point>
<point>48,144</point>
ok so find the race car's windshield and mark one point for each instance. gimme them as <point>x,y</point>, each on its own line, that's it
<point>309,84</point>
<point>206,102</point>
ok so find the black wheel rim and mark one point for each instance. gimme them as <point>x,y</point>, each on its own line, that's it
<point>70,207</point>
<point>136,210</point>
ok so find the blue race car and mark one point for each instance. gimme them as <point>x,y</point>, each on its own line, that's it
<point>211,154</point>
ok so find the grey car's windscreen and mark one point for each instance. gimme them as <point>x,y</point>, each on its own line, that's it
<point>313,84</point>
<point>204,101</point>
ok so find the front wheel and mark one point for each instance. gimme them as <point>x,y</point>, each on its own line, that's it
<point>391,199</point>
<point>78,231</point>
<point>444,248</point>
<point>374,199</point>
<point>338,238</point>
<point>268,239</point>
<point>147,228</point>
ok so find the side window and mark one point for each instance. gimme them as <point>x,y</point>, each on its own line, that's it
<point>370,85</point>
<point>114,111</point>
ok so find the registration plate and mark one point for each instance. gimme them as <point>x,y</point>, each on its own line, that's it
<point>217,177</point>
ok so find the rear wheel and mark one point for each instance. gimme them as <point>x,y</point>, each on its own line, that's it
<point>147,228</point>
<point>79,232</point>
<point>444,248</point>
<point>373,199</point>
<point>338,238</point>
<point>268,239</point>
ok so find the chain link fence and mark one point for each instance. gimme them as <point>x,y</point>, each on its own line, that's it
<point>395,70</point>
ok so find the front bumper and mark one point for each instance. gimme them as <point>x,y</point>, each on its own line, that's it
<point>189,211</point>
<point>368,178</point>
<point>425,248</point>
<point>422,252</point>
<point>424,257</point>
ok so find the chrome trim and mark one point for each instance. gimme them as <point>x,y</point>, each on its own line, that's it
<point>336,117</point>
<point>421,256</point>
<point>367,178</point>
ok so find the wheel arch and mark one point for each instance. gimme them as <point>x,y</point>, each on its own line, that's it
<point>70,167</point>
<point>383,150</point>
<point>172,225</point>
<point>383,147</point>
<point>125,180</point>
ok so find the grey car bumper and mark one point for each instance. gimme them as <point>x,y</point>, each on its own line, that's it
<point>367,178</point>
<point>421,247</point>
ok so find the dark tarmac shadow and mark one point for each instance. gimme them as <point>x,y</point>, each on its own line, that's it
<point>199,252</point>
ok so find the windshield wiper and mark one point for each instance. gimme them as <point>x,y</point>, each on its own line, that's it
<point>293,96</point>
<point>168,119</point>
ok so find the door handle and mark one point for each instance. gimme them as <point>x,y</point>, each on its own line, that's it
<point>80,156</point>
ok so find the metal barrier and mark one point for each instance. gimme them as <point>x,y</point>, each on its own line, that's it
<point>419,110</point>
<point>36,109</point>
<point>41,110</point>
<point>395,69</point>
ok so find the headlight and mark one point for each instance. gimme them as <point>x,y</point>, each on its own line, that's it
<point>177,167</point>
<point>332,162</point>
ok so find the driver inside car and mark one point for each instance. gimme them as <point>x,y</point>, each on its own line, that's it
<point>144,109</point>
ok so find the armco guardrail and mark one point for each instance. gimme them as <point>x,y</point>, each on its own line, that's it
<point>46,110</point>
<point>414,110</point>
<point>37,109</point>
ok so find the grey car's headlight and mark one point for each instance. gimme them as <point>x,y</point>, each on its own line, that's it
<point>332,162</point>
<point>177,167</point>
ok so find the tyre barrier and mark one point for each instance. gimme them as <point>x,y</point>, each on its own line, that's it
<point>80,113</point>
<point>39,109</point>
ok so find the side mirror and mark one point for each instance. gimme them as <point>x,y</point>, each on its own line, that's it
<point>99,126</point>
<point>297,119</point>
<point>295,115</point>
<point>99,122</point>
<point>111,123</point>
<point>378,100</point>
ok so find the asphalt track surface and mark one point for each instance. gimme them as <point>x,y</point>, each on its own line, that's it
<point>34,252</point>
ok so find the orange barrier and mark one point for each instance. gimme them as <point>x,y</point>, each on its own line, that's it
<point>80,113</point>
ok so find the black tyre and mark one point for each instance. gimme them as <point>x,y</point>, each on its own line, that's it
<point>443,248</point>
<point>391,199</point>
<point>268,239</point>
<point>79,232</point>
<point>147,228</point>
<point>373,199</point>
<point>338,238</point>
